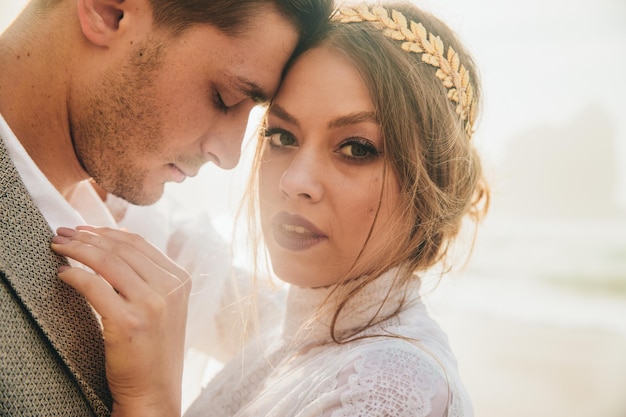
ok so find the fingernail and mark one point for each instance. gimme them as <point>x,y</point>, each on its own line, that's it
<point>60,240</point>
<point>66,231</point>
<point>63,268</point>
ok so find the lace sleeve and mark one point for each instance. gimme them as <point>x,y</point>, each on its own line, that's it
<point>395,379</point>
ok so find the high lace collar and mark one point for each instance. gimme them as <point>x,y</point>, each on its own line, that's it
<point>305,323</point>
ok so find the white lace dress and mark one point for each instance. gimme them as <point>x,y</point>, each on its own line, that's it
<point>303,373</point>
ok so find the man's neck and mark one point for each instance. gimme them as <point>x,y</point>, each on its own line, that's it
<point>34,86</point>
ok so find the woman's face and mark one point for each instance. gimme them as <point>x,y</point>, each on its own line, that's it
<point>322,180</point>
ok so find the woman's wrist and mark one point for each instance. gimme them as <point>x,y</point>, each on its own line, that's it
<point>152,409</point>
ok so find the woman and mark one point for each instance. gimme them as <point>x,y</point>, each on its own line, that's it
<point>364,177</point>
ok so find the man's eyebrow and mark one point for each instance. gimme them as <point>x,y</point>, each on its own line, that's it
<point>250,89</point>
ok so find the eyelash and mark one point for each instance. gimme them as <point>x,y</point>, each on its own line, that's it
<point>269,132</point>
<point>371,151</point>
<point>219,103</point>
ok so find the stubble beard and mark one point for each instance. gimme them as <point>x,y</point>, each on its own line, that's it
<point>118,131</point>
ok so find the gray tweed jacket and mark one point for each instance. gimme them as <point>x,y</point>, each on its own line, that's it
<point>51,346</point>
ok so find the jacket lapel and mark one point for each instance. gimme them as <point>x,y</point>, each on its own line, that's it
<point>31,266</point>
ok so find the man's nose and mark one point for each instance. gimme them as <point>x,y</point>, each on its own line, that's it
<point>223,143</point>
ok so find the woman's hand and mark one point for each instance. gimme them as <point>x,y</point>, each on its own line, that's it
<point>142,298</point>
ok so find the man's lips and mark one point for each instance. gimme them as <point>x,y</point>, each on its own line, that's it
<point>177,173</point>
<point>294,232</point>
<point>180,173</point>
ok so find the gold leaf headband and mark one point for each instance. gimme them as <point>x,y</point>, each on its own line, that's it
<point>417,39</point>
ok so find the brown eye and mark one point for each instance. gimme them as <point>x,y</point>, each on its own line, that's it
<point>279,138</point>
<point>358,150</point>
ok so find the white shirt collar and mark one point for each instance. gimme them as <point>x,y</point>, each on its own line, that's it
<point>55,209</point>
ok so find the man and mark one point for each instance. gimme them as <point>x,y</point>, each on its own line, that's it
<point>133,94</point>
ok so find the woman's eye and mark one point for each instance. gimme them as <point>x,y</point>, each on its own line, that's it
<point>280,138</point>
<point>359,150</point>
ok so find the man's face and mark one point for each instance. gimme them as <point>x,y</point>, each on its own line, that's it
<point>162,106</point>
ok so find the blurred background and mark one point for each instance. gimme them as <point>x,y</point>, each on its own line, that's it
<point>538,317</point>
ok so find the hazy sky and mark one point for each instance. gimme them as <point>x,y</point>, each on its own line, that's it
<point>544,63</point>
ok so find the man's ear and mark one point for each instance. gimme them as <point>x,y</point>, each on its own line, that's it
<point>100,19</point>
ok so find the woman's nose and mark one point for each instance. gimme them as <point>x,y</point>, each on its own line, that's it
<point>303,178</point>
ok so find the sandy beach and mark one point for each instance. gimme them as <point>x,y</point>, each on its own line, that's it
<point>561,356</point>
<point>520,369</point>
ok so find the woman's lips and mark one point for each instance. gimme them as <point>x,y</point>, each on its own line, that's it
<point>295,233</point>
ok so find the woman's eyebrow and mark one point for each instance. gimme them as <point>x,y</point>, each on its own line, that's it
<point>278,111</point>
<point>353,118</point>
<point>349,119</point>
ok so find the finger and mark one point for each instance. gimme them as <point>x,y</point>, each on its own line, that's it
<point>148,261</point>
<point>139,243</point>
<point>111,255</point>
<point>95,289</point>
<point>109,266</point>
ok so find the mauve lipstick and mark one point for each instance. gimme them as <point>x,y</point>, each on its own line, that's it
<point>294,232</point>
